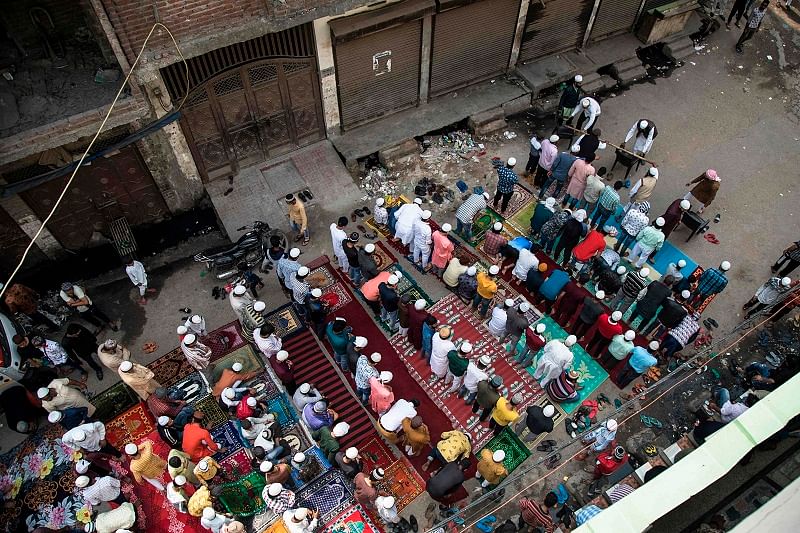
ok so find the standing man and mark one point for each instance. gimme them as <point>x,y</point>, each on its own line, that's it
<point>338,236</point>
<point>487,288</point>
<point>112,354</point>
<point>645,131</point>
<point>674,214</point>
<point>547,155</point>
<point>570,97</point>
<point>138,377</point>
<point>591,112</point>
<point>286,266</point>
<point>239,299</point>
<point>790,258</point>
<point>63,393</point>
<point>712,281</point>
<point>146,465</point>
<point>607,204</point>
<point>422,241</point>
<point>81,344</point>
<point>76,297</point>
<point>369,269</point>
<point>753,23</point>
<point>298,219</point>
<point>506,179</point>
<point>466,212</point>
<point>643,189</point>
<point>558,172</point>
<point>300,288</point>
<point>707,185</point>
<point>648,302</point>
<point>631,287</point>
<point>457,362</point>
<point>533,156</point>
<point>366,369</point>
<point>537,420</point>
<point>442,249</point>
<point>406,217</point>
<point>516,324</point>
<point>767,295</point>
<point>138,277</point>
<point>252,319</point>
<point>390,301</point>
<point>349,245</point>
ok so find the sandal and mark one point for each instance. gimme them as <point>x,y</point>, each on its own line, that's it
<point>366,210</point>
<point>552,461</point>
<point>306,241</point>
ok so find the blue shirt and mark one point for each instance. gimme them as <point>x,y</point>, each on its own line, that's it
<point>641,360</point>
<point>712,281</point>
<point>561,166</point>
<point>585,513</point>
<point>506,178</point>
<point>552,286</point>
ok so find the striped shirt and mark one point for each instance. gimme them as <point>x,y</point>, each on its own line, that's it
<point>712,281</point>
<point>633,284</point>
<point>620,491</point>
<point>533,515</point>
<point>585,513</point>
<point>609,199</point>
<point>471,207</point>
<point>684,331</point>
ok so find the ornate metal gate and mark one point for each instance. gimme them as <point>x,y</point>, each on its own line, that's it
<point>253,112</point>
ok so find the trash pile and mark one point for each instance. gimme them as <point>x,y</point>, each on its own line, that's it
<point>453,146</point>
<point>378,181</point>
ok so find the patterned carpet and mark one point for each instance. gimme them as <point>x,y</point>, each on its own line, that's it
<point>244,355</point>
<point>171,367</point>
<point>317,461</point>
<point>243,497</point>
<point>113,400</point>
<point>352,520</point>
<point>285,320</point>
<point>516,451</point>
<point>284,411</point>
<point>467,326</point>
<point>210,407</point>
<point>522,218</point>
<point>330,494</point>
<point>230,440</point>
<point>520,199</point>
<point>130,426</point>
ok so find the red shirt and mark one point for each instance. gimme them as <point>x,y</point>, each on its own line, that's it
<point>607,464</point>
<point>193,437</point>
<point>607,329</point>
<point>534,341</point>
<point>594,243</point>
<point>243,410</point>
<point>370,288</point>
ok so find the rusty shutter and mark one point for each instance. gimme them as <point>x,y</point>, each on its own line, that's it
<point>613,17</point>
<point>378,74</point>
<point>471,43</point>
<point>557,27</point>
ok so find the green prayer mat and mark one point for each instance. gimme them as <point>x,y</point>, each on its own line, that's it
<point>243,497</point>
<point>522,220</point>
<point>245,355</point>
<point>516,451</point>
<point>116,399</point>
<point>481,225</point>
<point>592,375</point>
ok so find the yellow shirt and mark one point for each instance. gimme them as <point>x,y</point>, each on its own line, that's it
<point>297,214</point>
<point>186,469</point>
<point>503,413</point>
<point>486,285</point>
<point>147,465</point>
<point>489,470</point>
<point>208,475</point>
<point>454,445</point>
<point>199,501</point>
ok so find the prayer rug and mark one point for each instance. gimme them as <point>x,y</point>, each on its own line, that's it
<point>382,256</point>
<point>267,522</point>
<point>210,407</point>
<point>171,367</point>
<point>321,278</point>
<point>224,340</point>
<point>383,231</point>
<point>482,222</point>
<point>353,519</point>
<point>375,453</point>
<point>192,386</point>
<point>592,375</point>
<point>521,220</point>
<point>263,385</point>
<point>330,494</point>
<point>229,438</point>
<point>297,438</point>
<point>245,355</point>
<point>557,419</point>
<point>316,464</point>
<point>335,296</point>
<point>520,199</point>
<point>112,401</point>
<point>516,451</point>
<point>467,326</point>
<point>402,482</point>
<point>238,464</point>
<point>509,232</point>
<point>130,426</point>
<point>243,496</point>
<point>284,411</point>
<point>285,320</point>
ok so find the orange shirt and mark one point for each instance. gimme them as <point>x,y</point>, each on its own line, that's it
<point>370,288</point>
<point>193,437</point>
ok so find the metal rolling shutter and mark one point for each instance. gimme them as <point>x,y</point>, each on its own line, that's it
<point>555,28</point>
<point>614,16</point>
<point>471,43</point>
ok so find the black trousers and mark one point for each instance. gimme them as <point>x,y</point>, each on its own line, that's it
<point>86,357</point>
<point>533,163</point>
<point>506,196</point>
<point>790,263</point>
<point>747,34</point>
<point>95,316</point>
<point>737,10</point>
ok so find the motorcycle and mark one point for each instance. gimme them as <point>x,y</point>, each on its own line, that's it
<point>250,249</point>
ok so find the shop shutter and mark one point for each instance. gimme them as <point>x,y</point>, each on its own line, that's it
<point>613,17</point>
<point>557,27</point>
<point>471,43</point>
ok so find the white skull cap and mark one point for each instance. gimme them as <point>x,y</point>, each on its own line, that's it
<point>274,489</point>
<point>82,481</point>
<point>316,293</point>
<point>79,435</point>
<point>485,360</point>
<point>586,102</point>
<point>375,357</point>
<point>305,388</point>
<point>360,342</point>
<point>303,271</point>
<point>540,328</point>
<point>388,502</point>
<point>524,307</point>
<point>110,344</point>
<point>660,222</point>
<point>369,248</point>
<point>549,410</point>
<point>239,290</point>
<point>385,376</point>
<point>611,424</point>
<point>125,366</point>
<point>380,201</point>
<point>418,201</point>
<point>300,514</point>
<point>630,335</point>
<point>282,355</point>
<point>471,271</point>
<point>42,392</point>
<point>572,339</point>
<point>259,306</point>
<point>616,316</point>
<point>498,456</point>
<point>497,226</point>
<point>54,417</point>
<point>251,402</point>
<point>237,366</point>
<point>653,172</point>
<point>578,78</point>
<point>681,263</point>
<point>180,480</point>
<point>686,204</point>
<point>600,295</point>
<point>131,449</point>
<point>229,393</point>
<point>554,138</point>
<point>203,465</point>
<point>265,467</point>
<point>299,457</point>
<point>351,452</point>
<point>509,302</point>
<point>340,429</point>
<point>209,513</point>
<point>426,215</point>
<point>466,347</point>
<point>643,124</point>
<point>189,338</point>
<point>644,272</point>
<point>181,330</point>
<point>725,265</point>
<point>494,270</point>
<point>487,196</point>
<point>446,227</point>
<point>511,161</point>
<point>82,466</point>
<point>685,294</point>
<point>294,253</point>
<point>163,420</point>
<point>786,281</point>
<point>196,319</point>
<point>621,270</point>
<point>654,345</point>
<point>393,280</point>
<point>419,305</point>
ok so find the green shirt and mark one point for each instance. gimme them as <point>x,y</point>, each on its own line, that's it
<point>619,347</point>
<point>457,364</point>
<point>327,442</point>
<point>487,395</point>
<point>651,237</point>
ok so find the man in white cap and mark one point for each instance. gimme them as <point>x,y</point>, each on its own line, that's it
<point>381,395</point>
<point>171,435</point>
<point>138,377</point>
<point>618,349</point>
<point>207,469</point>
<point>633,284</point>
<point>457,363</point>
<point>233,377</point>
<point>90,437</point>
<point>349,462</point>
<point>390,302</point>
<point>176,494</point>
<point>63,393</point>
<point>596,341</point>
<point>277,498</point>
<point>283,369</point>
<point>649,301</point>
<point>355,348</point>
<point>534,341</point>
<point>466,286</point>
<point>252,318</point>
<point>422,241</point>
<point>390,424</point>
<point>238,299</point>
<point>468,210</point>
<point>675,271</point>
<point>570,98</point>
<point>590,109</point>
<point>536,420</point>
<point>477,371</point>
<point>672,312</point>
<point>365,369</point>
<point>300,287</point>
<point>104,489</point>
<point>196,324</point>
<point>69,418</point>
<point>711,282</point>
<point>268,342</point>
<point>556,357</point>
<point>387,510</point>
<point>559,172</point>
<point>506,179</point>
<point>406,216</point>
<point>440,347</point>
<point>301,520</point>
<point>643,189</point>
<point>338,236</point>
<point>547,155</point>
<point>379,213</point>
<point>767,295</point>
<point>286,266</point>
<point>253,426</point>
<point>136,273</point>
<point>494,241</point>
<point>491,470</point>
<point>214,521</point>
<point>516,324</point>
<point>645,131</point>
<point>198,355</point>
<point>525,262</point>
<point>327,438</point>
<point>534,150</point>
<point>316,311</point>
<point>499,317</point>
<point>146,465</point>
<point>486,290</point>
<point>674,214</point>
<point>648,242</point>
<point>318,415</point>
<point>181,331</point>
<point>369,268</point>
<point>640,361</point>
<point>111,354</point>
<point>305,394</point>
<point>602,437</point>
<point>442,249</point>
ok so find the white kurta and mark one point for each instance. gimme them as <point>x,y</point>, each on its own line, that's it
<point>556,358</point>
<point>112,360</point>
<point>526,261</point>
<point>198,355</point>
<point>422,236</point>
<point>497,324</point>
<point>643,142</point>
<point>140,379</point>
<point>238,303</point>
<point>337,236</point>
<point>137,274</point>
<point>439,351</point>
<point>94,433</point>
<point>198,329</point>
<point>269,346</point>
<point>406,216</point>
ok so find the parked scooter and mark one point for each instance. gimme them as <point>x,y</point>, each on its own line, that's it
<point>250,248</point>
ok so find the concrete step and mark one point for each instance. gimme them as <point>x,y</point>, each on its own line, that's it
<point>393,154</point>
<point>485,117</point>
<point>491,127</point>
<point>679,49</point>
<point>628,64</point>
<point>590,77</point>
<point>632,74</point>
<point>594,86</point>
<point>608,81</point>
